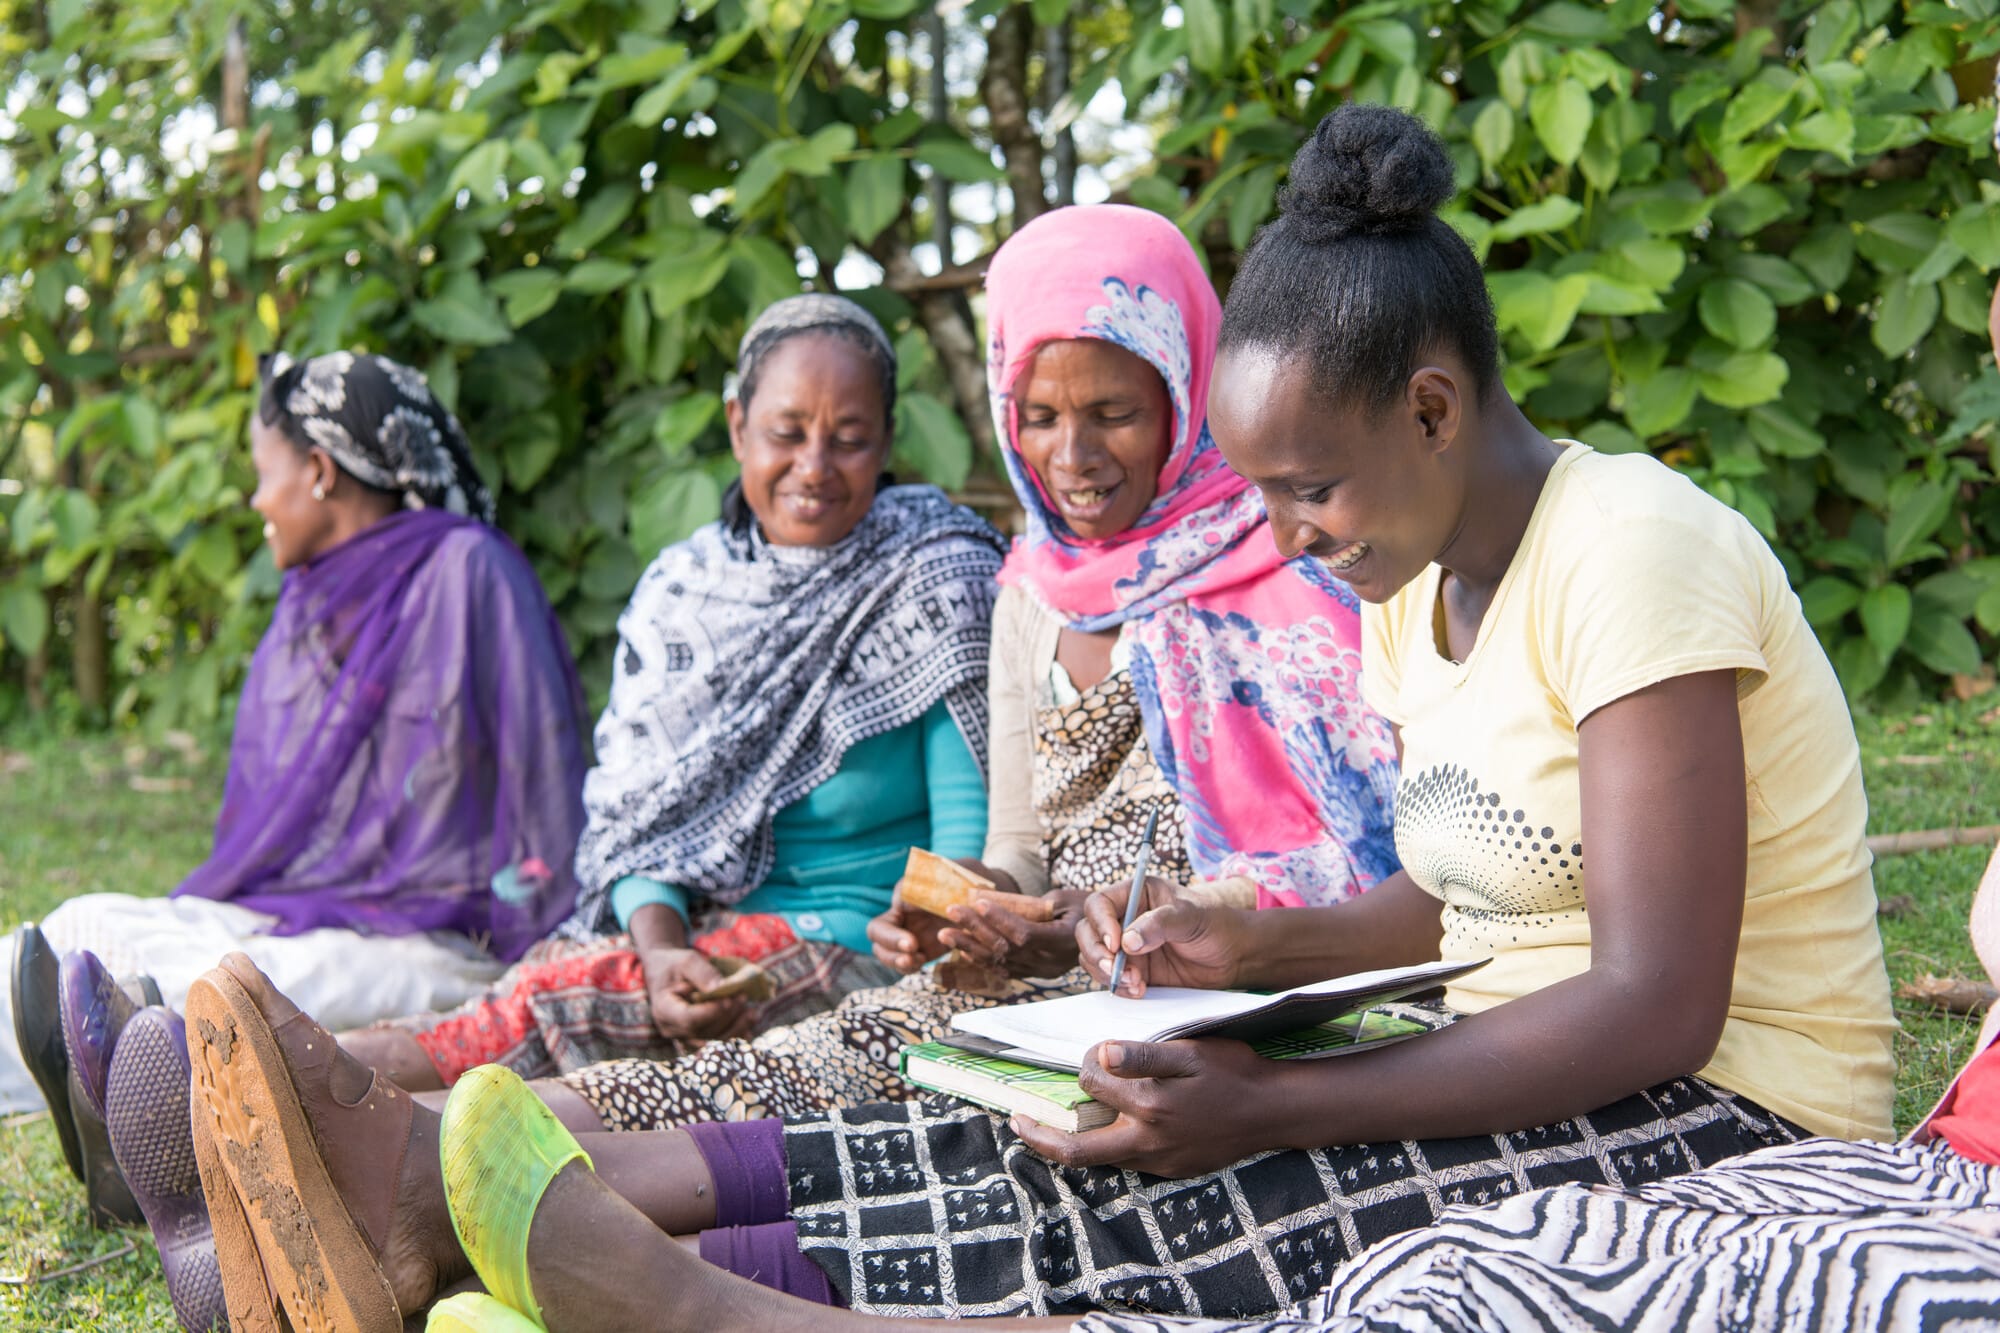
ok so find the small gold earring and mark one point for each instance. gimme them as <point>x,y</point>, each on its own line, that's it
<point>319,491</point>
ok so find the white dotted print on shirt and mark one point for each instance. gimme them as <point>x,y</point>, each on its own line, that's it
<point>1495,864</point>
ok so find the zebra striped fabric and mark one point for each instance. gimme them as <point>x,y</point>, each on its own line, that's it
<point>1816,1235</point>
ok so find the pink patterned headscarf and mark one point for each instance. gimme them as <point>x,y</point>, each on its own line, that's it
<point>1247,666</point>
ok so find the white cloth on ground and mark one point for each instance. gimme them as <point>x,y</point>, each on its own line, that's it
<point>341,977</point>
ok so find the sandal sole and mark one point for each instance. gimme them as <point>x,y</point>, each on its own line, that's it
<point>317,1258</point>
<point>147,1094</point>
<point>253,1306</point>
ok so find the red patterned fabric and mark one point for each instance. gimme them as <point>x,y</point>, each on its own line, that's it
<point>587,999</point>
<point>567,1004</point>
<point>755,937</point>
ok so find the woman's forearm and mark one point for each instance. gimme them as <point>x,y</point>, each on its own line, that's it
<point>1392,925</point>
<point>1546,1057</point>
<point>658,926</point>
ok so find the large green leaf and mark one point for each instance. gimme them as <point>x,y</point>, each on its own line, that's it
<point>1544,215</point>
<point>603,214</point>
<point>1943,643</point>
<point>932,439</point>
<point>1826,600</point>
<point>1885,615</point>
<point>1737,312</point>
<point>874,194</point>
<point>1899,240</point>
<point>1976,231</point>
<point>1906,314</point>
<point>954,159</point>
<point>1988,608</point>
<point>1561,115</point>
<point>1779,431</point>
<point>1745,379</point>
<point>1661,402</point>
<point>674,280</point>
<point>24,617</point>
<point>1493,132</point>
<point>527,292</point>
<point>463,312</point>
<point>1913,519</point>
<point>682,422</point>
<point>1754,107</point>
<point>1538,307</point>
<point>1207,35</point>
<point>482,171</point>
<point>670,509</point>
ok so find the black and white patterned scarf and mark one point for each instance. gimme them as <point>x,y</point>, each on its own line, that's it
<point>382,424</point>
<point>745,671</point>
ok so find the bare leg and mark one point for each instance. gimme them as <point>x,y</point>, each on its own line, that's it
<point>395,1055</point>
<point>663,1170</point>
<point>630,1275</point>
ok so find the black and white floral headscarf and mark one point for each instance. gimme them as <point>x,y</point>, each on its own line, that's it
<point>381,423</point>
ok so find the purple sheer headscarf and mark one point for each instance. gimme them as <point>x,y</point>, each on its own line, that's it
<point>408,752</point>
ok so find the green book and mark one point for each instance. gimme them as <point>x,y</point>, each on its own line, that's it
<point>1054,1097</point>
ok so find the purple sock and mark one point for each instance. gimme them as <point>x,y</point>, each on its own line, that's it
<point>746,1160</point>
<point>769,1256</point>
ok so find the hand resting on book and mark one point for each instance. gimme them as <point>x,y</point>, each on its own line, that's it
<point>1185,1107</point>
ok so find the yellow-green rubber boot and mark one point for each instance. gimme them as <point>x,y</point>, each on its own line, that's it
<point>499,1148</point>
<point>476,1312</point>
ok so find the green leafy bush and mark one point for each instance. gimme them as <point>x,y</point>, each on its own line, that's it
<point>1756,240</point>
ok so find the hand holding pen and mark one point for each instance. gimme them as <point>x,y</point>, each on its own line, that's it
<point>1175,940</point>
<point>1132,899</point>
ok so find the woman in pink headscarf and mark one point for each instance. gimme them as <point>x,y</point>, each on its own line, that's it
<point>1147,559</point>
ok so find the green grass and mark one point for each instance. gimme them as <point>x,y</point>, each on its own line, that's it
<point>1939,768</point>
<point>86,816</point>
<point>73,821</point>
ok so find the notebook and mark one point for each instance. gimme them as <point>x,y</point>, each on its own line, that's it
<point>1054,1097</point>
<point>1059,1033</point>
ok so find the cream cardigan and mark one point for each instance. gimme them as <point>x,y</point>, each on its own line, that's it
<point>1022,655</point>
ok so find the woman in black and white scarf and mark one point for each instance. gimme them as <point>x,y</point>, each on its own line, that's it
<point>799,697</point>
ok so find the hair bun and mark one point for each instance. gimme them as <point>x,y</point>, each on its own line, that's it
<point>1368,171</point>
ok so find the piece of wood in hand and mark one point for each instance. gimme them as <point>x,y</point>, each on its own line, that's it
<point>934,884</point>
<point>1958,995</point>
<point>741,977</point>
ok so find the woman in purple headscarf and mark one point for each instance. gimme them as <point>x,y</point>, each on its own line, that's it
<point>405,782</point>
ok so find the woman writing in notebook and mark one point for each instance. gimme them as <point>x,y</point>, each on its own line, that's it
<point>1588,661</point>
<point>1585,655</point>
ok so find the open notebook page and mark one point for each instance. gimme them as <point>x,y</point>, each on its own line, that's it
<point>1065,1029</point>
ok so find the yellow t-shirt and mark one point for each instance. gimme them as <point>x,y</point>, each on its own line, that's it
<point>1628,575</point>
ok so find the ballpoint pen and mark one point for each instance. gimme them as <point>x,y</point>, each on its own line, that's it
<point>1138,892</point>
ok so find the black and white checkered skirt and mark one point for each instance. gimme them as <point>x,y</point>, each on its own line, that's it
<point>928,1208</point>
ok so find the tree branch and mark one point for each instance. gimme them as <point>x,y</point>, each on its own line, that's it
<point>1056,84</point>
<point>946,317</point>
<point>953,278</point>
<point>1004,88</point>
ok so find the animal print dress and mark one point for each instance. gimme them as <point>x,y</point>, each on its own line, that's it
<point>1095,784</point>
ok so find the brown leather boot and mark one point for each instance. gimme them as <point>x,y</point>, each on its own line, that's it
<point>315,1147</point>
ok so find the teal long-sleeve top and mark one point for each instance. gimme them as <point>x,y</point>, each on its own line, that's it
<point>841,848</point>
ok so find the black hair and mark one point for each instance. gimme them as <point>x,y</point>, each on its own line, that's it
<point>879,356</point>
<point>1358,271</point>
